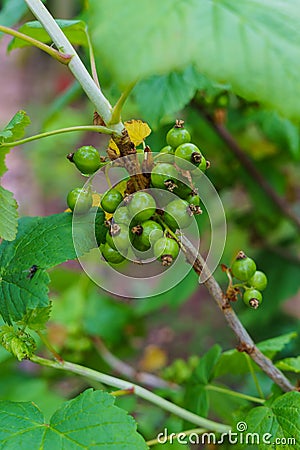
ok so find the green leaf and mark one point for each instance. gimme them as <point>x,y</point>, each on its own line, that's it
<point>17,342</point>
<point>8,215</point>
<point>196,396</point>
<point>18,386</point>
<point>196,400</point>
<point>91,420</point>
<point>204,370</point>
<point>3,152</point>
<point>75,30</point>
<point>50,242</point>
<point>162,95</point>
<point>14,130</point>
<point>36,318</point>
<point>11,12</point>
<point>251,45</point>
<point>234,362</point>
<point>289,364</point>
<point>281,420</point>
<point>272,346</point>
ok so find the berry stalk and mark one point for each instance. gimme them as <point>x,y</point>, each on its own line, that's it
<point>246,343</point>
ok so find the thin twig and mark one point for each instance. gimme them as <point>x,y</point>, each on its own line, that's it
<point>246,343</point>
<point>92,59</point>
<point>59,56</point>
<point>49,346</point>
<point>95,128</point>
<point>225,391</point>
<point>148,379</point>
<point>138,390</point>
<point>249,166</point>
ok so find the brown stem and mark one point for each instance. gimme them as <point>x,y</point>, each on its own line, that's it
<point>247,163</point>
<point>148,379</point>
<point>246,343</point>
<point>128,151</point>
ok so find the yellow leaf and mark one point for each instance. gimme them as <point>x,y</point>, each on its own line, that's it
<point>114,146</point>
<point>137,130</point>
<point>108,216</point>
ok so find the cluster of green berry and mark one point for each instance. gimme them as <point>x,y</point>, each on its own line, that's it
<point>254,281</point>
<point>147,220</point>
<point>181,151</point>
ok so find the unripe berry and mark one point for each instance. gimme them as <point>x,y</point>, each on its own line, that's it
<point>243,267</point>
<point>252,298</point>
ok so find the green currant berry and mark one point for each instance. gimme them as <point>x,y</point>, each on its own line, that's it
<point>166,155</point>
<point>177,136</point>
<point>163,173</point>
<point>243,267</point>
<point>121,215</point>
<point>111,200</point>
<point>252,298</point>
<point>135,238</point>
<point>80,199</point>
<point>258,281</point>
<point>87,159</point>
<point>118,237</point>
<point>111,255</point>
<point>166,250</point>
<point>167,149</point>
<point>177,214</point>
<point>141,206</point>
<point>152,231</point>
<point>138,244</point>
<point>194,202</point>
<point>187,154</point>
<point>193,199</point>
<point>203,164</point>
<point>181,189</point>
